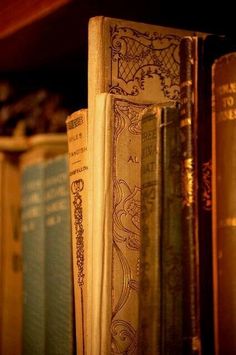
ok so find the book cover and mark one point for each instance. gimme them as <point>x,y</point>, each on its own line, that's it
<point>161,297</point>
<point>203,53</point>
<point>191,310</point>
<point>42,147</point>
<point>33,259</point>
<point>115,224</point>
<point>150,322</point>
<point>223,201</point>
<point>77,135</point>
<point>172,295</point>
<point>209,49</point>
<point>133,59</point>
<point>58,259</point>
<point>10,253</point>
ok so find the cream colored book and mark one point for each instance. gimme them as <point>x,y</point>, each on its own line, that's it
<point>140,62</point>
<point>133,59</point>
<point>77,135</point>
<point>114,224</point>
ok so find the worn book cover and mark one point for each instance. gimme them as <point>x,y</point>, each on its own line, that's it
<point>133,59</point>
<point>172,295</point>
<point>161,296</point>
<point>149,341</point>
<point>197,54</point>
<point>77,136</point>
<point>224,201</point>
<point>115,220</point>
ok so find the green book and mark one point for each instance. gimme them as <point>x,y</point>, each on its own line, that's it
<point>58,263</point>
<point>160,313</point>
<point>150,296</point>
<point>171,237</point>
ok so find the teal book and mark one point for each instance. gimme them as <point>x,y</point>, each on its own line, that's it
<point>160,312</point>
<point>58,259</point>
<point>33,259</point>
<point>41,148</point>
<point>171,237</point>
<point>150,280</point>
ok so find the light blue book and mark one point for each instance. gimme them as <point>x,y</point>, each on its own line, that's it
<point>58,261</point>
<point>33,231</point>
<point>33,169</point>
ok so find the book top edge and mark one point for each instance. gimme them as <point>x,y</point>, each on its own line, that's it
<point>13,144</point>
<point>104,20</point>
<point>47,138</point>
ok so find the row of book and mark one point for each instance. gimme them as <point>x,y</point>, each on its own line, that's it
<point>116,226</point>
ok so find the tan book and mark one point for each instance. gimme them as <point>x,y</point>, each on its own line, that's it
<point>114,224</point>
<point>77,134</point>
<point>132,59</point>
<point>10,250</point>
<point>139,61</point>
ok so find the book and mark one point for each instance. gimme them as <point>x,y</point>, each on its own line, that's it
<point>135,60</point>
<point>77,135</point>
<point>11,294</point>
<point>150,253</point>
<point>161,297</point>
<point>223,201</point>
<point>197,54</point>
<point>209,49</point>
<point>172,295</point>
<point>188,157</point>
<point>42,147</point>
<point>132,59</point>
<point>115,224</point>
<point>59,327</point>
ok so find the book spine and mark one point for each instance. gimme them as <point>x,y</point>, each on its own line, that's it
<point>171,235</point>
<point>33,259</point>
<point>58,258</point>
<point>150,293</point>
<point>191,321</point>
<point>77,134</point>
<point>224,201</point>
<point>10,256</point>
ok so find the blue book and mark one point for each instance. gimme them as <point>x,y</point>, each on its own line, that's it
<point>33,259</point>
<point>58,262</point>
<point>33,168</point>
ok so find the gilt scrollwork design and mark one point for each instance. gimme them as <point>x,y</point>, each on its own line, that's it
<point>125,228</point>
<point>187,182</point>
<point>124,338</point>
<point>76,188</point>
<point>206,185</point>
